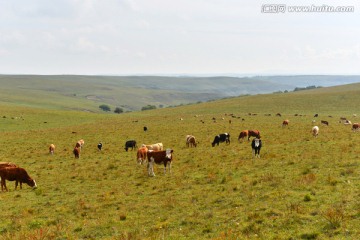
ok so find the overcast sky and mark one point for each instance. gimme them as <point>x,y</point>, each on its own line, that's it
<point>124,37</point>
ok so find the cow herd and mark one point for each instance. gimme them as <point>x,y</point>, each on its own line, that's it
<point>152,153</point>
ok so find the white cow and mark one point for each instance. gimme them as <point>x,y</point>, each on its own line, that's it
<point>315,131</point>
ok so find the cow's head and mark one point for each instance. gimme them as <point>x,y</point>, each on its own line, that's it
<point>169,153</point>
<point>32,183</point>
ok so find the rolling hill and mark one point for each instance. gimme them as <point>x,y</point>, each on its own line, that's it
<point>131,93</point>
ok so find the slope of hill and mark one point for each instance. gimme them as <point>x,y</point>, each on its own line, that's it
<point>302,187</point>
<point>132,93</point>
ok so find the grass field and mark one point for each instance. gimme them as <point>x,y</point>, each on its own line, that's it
<point>302,187</point>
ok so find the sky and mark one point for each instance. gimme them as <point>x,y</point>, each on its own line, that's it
<point>178,37</point>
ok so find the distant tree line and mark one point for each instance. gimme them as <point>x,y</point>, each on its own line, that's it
<point>306,88</point>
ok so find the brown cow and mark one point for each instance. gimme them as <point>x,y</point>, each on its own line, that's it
<point>15,174</point>
<point>51,149</point>
<point>190,141</point>
<point>285,123</point>
<point>253,133</point>
<point>355,126</point>
<point>76,152</point>
<point>325,122</point>
<point>141,154</point>
<point>243,134</point>
<point>159,157</point>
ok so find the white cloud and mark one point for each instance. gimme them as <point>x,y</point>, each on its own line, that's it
<point>161,36</point>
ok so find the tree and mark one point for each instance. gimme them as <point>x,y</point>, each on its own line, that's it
<point>118,110</point>
<point>148,107</point>
<point>105,108</point>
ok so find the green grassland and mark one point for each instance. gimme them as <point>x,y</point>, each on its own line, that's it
<point>302,187</point>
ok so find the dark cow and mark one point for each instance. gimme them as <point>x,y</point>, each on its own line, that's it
<point>159,157</point>
<point>256,146</point>
<point>99,146</point>
<point>130,144</point>
<point>15,174</point>
<point>76,152</point>
<point>223,137</point>
<point>355,126</point>
<point>145,129</point>
<point>316,115</point>
<point>325,122</point>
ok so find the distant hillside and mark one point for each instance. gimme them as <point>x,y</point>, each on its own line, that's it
<point>133,92</point>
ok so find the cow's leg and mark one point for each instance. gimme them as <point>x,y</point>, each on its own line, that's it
<point>16,184</point>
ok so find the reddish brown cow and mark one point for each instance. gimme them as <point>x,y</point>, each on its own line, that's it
<point>51,149</point>
<point>243,134</point>
<point>15,174</point>
<point>253,133</point>
<point>76,152</point>
<point>355,126</point>
<point>159,157</point>
<point>285,123</point>
<point>141,154</point>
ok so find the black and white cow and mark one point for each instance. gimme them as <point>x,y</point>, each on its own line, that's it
<point>223,137</point>
<point>130,144</point>
<point>99,146</point>
<point>256,146</point>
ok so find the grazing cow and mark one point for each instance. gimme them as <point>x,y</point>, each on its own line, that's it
<point>253,133</point>
<point>76,152</point>
<point>15,174</point>
<point>243,134</point>
<point>325,122</point>
<point>51,149</point>
<point>256,146</point>
<point>155,147</point>
<point>145,129</point>
<point>223,137</point>
<point>7,164</point>
<point>316,115</point>
<point>315,131</point>
<point>141,154</point>
<point>190,141</point>
<point>159,157</point>
<point>278,114</point>
<point>130,144</point>
<point>355,126</point>
<point>285,123</point>
<point>99,146</point>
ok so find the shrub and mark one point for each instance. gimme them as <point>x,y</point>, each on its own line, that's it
<point>105,108</point>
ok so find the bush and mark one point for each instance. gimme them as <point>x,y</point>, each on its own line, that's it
<point>105,108</point>
<point>148,107</point>
<point>118,110</point>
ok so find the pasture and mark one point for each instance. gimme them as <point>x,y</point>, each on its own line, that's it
<point>302,187</point>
